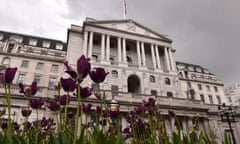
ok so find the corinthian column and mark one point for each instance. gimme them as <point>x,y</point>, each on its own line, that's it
<point>153,56</point>
<point>124,50</point>
<point>119,50</point>
<point>143,54</point>
<point>139,54</point>
<point>85,41</point>
<point>108,48</point>
<point>157,57</point>
<point>166,59</point>
<point>103,47</point>
<point>90,45</point>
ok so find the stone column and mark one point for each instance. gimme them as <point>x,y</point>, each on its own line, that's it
<point>119,51</point>
<point>184,126</point>
<point>124,50</point>
<point>157,57</point>
<point>153,56</point>
<point>189,123</point>
<point>108,48</point>
<point>139,54</point>
<point>85,42</point>
<point>143,54</point>
<point>171,59</point>
<point>166,59</point>
<point>90,45</point>
<point>172,119</point>
<point>174,62</point>
<point>103,48</point>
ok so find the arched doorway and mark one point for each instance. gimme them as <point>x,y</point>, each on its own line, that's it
<point>134,84</point>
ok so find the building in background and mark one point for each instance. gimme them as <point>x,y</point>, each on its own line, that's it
<point>232,93</point>
<point>141,65</point>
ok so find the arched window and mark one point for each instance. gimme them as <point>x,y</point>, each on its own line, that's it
<point>114,74</point>
<point>134,84</point>
<point>167,81</point>
<point>6,61</point>
<point>152,79</point>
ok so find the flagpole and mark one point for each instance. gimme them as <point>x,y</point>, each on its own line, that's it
<point>124,9</point>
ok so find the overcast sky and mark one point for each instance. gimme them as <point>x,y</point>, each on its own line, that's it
<point>204,32</point>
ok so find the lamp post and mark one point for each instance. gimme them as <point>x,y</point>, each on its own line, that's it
<point>227,115</point>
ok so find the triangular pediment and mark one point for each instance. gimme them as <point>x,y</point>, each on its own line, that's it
<point>129,26</point>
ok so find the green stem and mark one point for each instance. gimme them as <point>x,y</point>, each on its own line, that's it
<point>77,115</point>
<point>8,96</point>
<point>65,112</point>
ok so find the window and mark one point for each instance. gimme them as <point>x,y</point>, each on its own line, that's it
<point>189,85</point>
<point>114,74</point>
<point>230,99</point>
<point>24,64</point>
<point>94,58</point>
<point>169,94</point>
<point>167,81</point>
<point>199,87</point>
<point>39,66</point>
<point>152,79</point>
<point>208,88</point>
<point>202,98</point>
<point>210,99</point>
<point>6,61</point>
<point>16,38</point>
<point>52,82</point>
<point>54,68</point>
<point>219,100</point>
<point>112,60</point>
<point>21,78</point>
<point>1,36</point>
<point>10,48</point>
<point>46,44</point>
<point>59,46</point>
<point>153,92</point>
<point>129,60</point>
<point>37,78</point>
<point>192,94</point>
<point>32,42</point>
<point>215,89</point>
<point>114,89</point>
<point>94,88</point>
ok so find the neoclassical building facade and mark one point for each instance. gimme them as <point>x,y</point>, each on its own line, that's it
<point>141,65</point>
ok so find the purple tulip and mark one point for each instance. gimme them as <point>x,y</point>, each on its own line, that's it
<point>126,130</point>
<point>98,75</point>
<point>83,67</point>
<point>70,115</point>
<point>31,91</point>
<point>2,78</point>
<point>86,108</point>
<point>68,84</point>
<point>26,113</point>
<point>36,103</point>
<point>64,99</point>
<point>140,124</point>
<point>171,113</point>
<point>16,126</point>
<point>103,122</point>
<point>114,114</point>
<point>85,92</point>
<point>9,75</point>
<point>54,106</point>
<point>97,95</point>
<point>98,109</point>
<point>4,125</point>
<point>150,102</point>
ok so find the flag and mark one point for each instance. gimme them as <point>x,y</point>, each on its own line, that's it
<point>124,9</point>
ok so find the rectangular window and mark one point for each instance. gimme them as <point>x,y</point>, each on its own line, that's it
<point>21,78</point>
<point>46,44</point>
<point>208,87</point>
<point>10,48</point>
<point>114,89</point>
<point>189,85</point>
<point>210,99</point>
<point>54,68</point>
<point>202,98</point>
<point>215,89</point>
<point>52,82</point>
<point>39,66</point>
<point>59,46</point>
<point>24,64</point>
<point>199,87</point>
<point>37,78</point>
<point>219,99</point>
<point>32,42</point>
<point>153,92</point>
<point>94,88</point>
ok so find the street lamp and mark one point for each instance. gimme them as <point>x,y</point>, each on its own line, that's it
<point>113,105</point>
<point>227,115</point>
